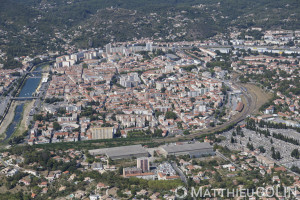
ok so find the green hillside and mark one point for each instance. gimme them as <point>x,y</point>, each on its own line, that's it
<point>29,26</point>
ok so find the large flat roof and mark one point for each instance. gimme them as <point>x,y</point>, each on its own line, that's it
<point>186,147</point>
<point>120,151</point>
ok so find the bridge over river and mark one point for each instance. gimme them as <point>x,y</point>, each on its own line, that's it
<point>23,98</point>
<point>27,89</point>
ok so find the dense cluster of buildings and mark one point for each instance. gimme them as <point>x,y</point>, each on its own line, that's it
<point>128,92</point>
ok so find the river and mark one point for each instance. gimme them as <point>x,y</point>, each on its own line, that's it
<point>28,89</point>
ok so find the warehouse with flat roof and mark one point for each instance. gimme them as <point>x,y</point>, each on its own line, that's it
<point>195,149</point>
<point>123,152</point>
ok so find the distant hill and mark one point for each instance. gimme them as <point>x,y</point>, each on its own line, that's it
<point>32,26</point>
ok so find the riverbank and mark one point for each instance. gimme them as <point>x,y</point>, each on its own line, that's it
<point>8,119</point>
<point>16,121</point>
<point>44,75</point>
<point>23,125</point>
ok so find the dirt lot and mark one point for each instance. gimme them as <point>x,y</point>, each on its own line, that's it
<point>261,97</point>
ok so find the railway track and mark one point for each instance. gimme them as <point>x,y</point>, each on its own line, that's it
<point>250,106</point>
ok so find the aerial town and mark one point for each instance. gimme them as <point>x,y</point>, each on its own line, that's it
<point>138,119</point>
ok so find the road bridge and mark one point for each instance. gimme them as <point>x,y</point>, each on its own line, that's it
<point>36,77</point>
<point>23,98</point>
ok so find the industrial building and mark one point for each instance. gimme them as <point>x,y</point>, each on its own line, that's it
<point>123,152</point>
<point>131,170</point>
<point>137,172</point>
<point>195,149</point>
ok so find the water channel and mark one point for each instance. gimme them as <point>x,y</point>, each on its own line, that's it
<point>28,89</point>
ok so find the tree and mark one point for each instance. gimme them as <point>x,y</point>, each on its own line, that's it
<point>295,154</point>
<point>56,126</point>
<point>242,134</point>
<point>38,117</point>
<point>232,140</point>
<point>278,156</point>
<point>186,132</point>
<point>121,170</point>
<point>262,149</point>
<point>275,154</point>
<point>157,133</point>
<point>84,66</point>
<point>238,129</point>
<point>158,113</point>
<point>218,177</point>
<point>295,169</point>
<point>171,115</point>
<point>250,146</point>
<point>179,125</point>
<point>118,133</point>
